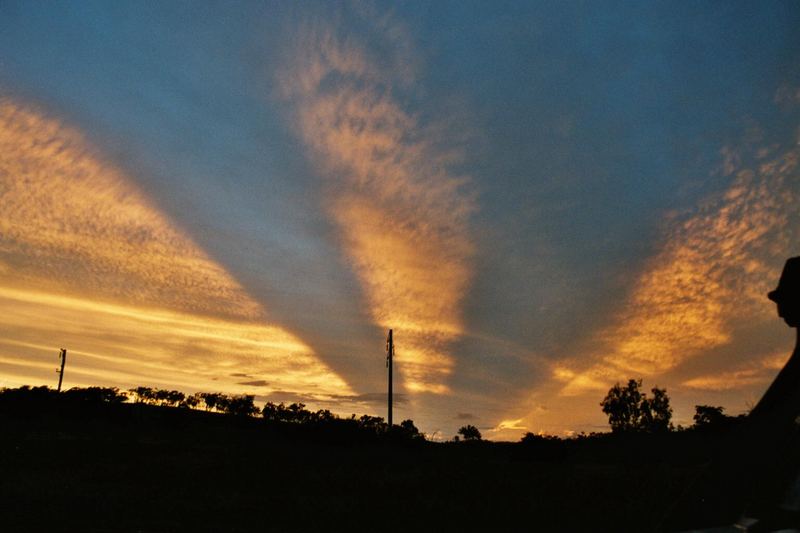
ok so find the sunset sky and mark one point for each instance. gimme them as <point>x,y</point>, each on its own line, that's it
<point>541,199</point>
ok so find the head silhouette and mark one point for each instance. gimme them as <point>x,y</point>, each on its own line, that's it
<point>787,294</point>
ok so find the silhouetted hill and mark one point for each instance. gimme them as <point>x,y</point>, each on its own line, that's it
<point>86,465</point>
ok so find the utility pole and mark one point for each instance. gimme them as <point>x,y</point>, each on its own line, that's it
<point>63,357</point>
<point>389,354</point>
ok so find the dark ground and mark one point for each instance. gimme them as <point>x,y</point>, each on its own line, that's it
<point>133,467</point>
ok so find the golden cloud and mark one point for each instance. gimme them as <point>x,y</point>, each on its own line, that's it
<point>402,216</point>
<point>88,263</point>
<point>761,370</point>
<point>131,345</point>
<point>507,430</point>
<point>65,209</point>
<point>713,271</point>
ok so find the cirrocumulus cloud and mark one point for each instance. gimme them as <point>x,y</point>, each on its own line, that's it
<point>402,215</point>
<point>87,262</point>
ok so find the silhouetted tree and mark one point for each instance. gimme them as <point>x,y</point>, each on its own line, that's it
<point>710,418</point>
<point>191,401</point>
<point>372,423</point>
<point>162,396</point>
<point>214,400</point>
<point>656,412</point>
<point>469,432</point>
<point>96,395</point>
<point>223,402</point>
<point>298,413</point>
<point>629,409</point>
<point>707,415</point>
<point>270,412</point>
<point>294,413</point>
<point>241,405</point>
<point>171,398</point>
<point>622,405</point>
<point>408,429</point>
<point>143,395</point>
<point>175,398</point>
<point>324,416</point>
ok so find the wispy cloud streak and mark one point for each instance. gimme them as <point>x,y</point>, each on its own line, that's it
<point>133,345</point>
<point>402,215</point>
<point>753,372</point>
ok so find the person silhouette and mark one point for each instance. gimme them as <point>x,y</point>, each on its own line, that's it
<point>757,476</point>
<point>787,294</point>
<point>773,423</point>
<point>776,404</point>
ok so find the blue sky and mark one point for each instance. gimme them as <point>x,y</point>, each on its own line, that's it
<point>537,197</point>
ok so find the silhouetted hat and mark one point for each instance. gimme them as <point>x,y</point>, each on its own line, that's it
<point>789,284</point>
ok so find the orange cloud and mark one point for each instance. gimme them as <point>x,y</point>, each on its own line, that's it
<point>66,209</point>
<point>88,263</point>
<point>402,216</point>
<point>713,271</point>
<point>705,286</point>
<point>760,371</point>
<point>507,430</point>
<point>132,345</point>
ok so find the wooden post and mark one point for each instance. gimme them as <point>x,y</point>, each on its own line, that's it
<point>63,357</point>
<point>389,354</point>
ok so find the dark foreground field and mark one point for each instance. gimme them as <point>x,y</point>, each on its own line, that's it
<point>155,469</point>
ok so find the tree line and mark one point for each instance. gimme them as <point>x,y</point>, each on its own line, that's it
<point>630,409</point>
<point>242,406</point>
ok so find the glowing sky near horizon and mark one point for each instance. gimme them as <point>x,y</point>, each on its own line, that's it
<point>540,200</point>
